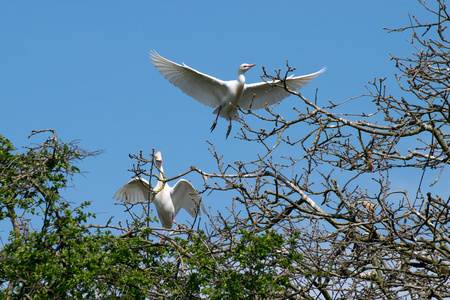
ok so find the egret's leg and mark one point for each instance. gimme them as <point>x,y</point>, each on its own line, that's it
<point>215,121</point>
<point>173,220</point>
<point>214,125</point>
<point>229,129</point>
<point>161,239</point>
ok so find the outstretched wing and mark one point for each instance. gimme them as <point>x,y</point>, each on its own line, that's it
<point>266,92</point>
<point>202,87</point>
<point>137,190</point>
<point>184,195</point>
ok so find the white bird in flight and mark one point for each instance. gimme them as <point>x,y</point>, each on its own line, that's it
<point>227,96</point>
<point>168,200</point>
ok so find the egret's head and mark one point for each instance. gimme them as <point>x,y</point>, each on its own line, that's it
<point>158,157</point>
<point>245,67</point>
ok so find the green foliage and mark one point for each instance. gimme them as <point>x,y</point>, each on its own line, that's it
<point>65,257</point>
<point>251,267</point>
<point>68,258</point>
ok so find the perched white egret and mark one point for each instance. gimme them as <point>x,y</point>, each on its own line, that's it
<point>168,200</point>
<point>227,96</point>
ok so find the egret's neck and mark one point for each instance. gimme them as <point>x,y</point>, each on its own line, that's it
<point>241,78</point>
<point>161,174</point>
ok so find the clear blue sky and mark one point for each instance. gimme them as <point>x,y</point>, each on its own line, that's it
<point>82,68</point>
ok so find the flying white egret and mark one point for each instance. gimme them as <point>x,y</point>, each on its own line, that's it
<point>227,96</point>
<point>168,200</point>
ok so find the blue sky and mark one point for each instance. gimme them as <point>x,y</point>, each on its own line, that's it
<point>82,69</point>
